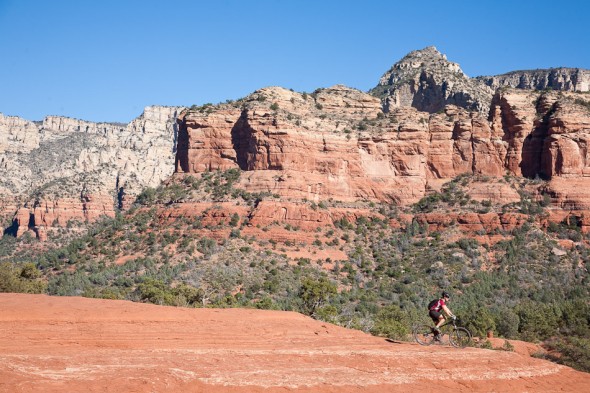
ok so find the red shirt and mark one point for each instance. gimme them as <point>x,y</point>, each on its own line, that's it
<point>439,305</point>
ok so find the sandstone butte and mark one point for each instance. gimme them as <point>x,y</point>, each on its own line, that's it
<point>337,144</point>
<point>71,344</point>
<point>350,150</point>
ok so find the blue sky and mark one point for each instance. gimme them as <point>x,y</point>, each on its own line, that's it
<point>106,60</point>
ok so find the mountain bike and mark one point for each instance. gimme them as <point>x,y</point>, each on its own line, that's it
<point>457,336</point>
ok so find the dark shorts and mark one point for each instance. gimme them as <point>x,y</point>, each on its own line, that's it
<point>435,315</point>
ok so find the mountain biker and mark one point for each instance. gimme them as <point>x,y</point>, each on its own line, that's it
<point>436,314</point>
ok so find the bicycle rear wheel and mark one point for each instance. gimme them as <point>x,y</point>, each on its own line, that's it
<point>423,334</point>
<point>460,337</point>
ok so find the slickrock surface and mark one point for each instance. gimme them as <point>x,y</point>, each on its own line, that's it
<point>52,344</point>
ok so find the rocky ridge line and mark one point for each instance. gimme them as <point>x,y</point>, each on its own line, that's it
<point>339,144</point>
<point>563,79</point>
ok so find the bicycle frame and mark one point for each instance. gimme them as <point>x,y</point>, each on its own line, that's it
<point>449,321</point>
<point>458,336</point>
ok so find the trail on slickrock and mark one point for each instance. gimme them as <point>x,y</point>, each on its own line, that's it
<point>68,344</point>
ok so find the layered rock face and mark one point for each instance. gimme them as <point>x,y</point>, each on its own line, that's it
<point>17,134</point>
<point>296,145</point>
<point>547,136</point>
<point>563,79</point>
<point>337,143</point>
<point>306,146</point>
<point>67,169</point>
<point>427,81</point>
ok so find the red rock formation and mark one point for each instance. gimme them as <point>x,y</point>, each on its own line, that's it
<point>59,212</point>
<point>497,192</point>
<point>318,148</point>
<point>21,221</point>
<point>337,144</point>
<point>269,220</point>
<point>205,141</point>
<point>472,223</point>
<point>567,142</point>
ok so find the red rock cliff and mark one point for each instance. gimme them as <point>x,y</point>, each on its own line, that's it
<point>337,143</point>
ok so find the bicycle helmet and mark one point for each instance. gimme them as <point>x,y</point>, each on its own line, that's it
<point>445,294</point>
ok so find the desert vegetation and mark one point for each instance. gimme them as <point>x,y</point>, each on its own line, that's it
<point>517,286</point>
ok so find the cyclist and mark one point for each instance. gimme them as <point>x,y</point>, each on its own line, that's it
<point>437,316</point>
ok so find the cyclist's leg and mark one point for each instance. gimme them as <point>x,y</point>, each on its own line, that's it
<point>441,320</point>
<point>438,320</point>
<point>434,315</point>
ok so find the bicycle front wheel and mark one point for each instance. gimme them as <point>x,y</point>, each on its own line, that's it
<point>423,335</point>
<point>460,337</point>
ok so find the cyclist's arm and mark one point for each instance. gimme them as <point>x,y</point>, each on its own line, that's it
<point>447,311</point>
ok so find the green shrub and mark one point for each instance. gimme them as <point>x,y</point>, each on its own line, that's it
<point>508,346</point>
<point>155,291</point>
<point>486,344</point>
<point>25,278</point>
<point>266,303</point>
<point>507,322</point>
<point>538,321</point>
<point>186,294</point>
<point>428,203</point>
<point>477,319</point>
<point>391,322</point>
<point>575,317</point>
<point>147,196</point>
<point>575,352</point>
<point>326,313</point>
<point>314,293</point>
<point>235,219</point>
<point>206,246</point>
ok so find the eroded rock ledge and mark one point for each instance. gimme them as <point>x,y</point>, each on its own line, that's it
<point>338,144</point>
